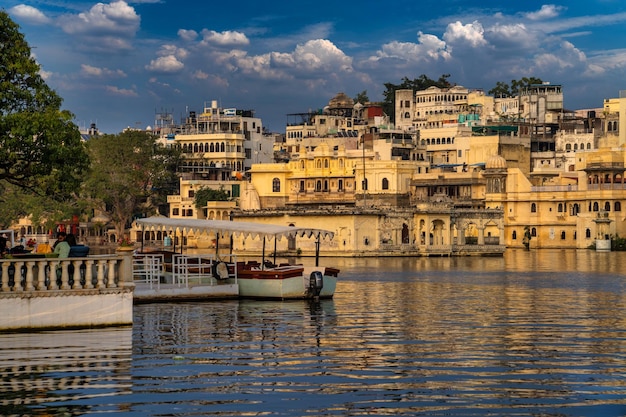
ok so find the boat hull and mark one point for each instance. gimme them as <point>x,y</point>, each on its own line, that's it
<point>285,284</point>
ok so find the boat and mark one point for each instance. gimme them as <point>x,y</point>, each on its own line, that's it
<point>262,279</point>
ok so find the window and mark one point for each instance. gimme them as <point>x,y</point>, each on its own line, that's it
<point>276,185</point>
<point>607,206</point>
<point>514,235</point>
<point>189,212</point>
<point>533,208</point>
<point>560,208</point>
<point>302,186</point>
<point>596,207</point>
<point>175,212</point>
<point>588,233</point>
<point>563,235</point>
<point>533,232</point>
<point>618,206</point>
<point>364,184</point>
<point>340,185</point>
<point>385,184</point>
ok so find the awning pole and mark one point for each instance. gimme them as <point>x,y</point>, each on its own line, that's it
<point>275,242</point>
<point>263,255</point>
<point>317,250</point>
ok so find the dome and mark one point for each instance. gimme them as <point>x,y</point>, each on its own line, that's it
<point>341,100</point>
<point>495,162</point>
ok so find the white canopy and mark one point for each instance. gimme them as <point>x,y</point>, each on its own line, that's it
<point>235,228</point>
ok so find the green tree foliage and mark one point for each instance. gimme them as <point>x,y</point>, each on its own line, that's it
<point>41,150</point>
<point>420,83</point>
<point>503,89</point>
<point>209,194</point>
<point>130,173</point>
<point>362,97</point>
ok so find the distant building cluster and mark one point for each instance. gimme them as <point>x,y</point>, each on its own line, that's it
<point>457,172</point>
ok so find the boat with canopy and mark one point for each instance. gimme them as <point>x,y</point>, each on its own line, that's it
<point>265,279</point>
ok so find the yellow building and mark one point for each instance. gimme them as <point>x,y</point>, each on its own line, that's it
<point>565,211</point>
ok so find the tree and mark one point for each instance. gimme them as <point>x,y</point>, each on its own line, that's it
<point>362,97</point>
<point>41,150</point>
<point>128,174</point>
<point>417,84</point>
<point>503,89</point>
<point>205,194</point>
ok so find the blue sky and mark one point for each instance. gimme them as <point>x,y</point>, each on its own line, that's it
<point>119,63</point>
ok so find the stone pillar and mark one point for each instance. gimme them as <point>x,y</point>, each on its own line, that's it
<point>126,267</point>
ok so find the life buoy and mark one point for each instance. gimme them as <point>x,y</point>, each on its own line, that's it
<point>221,270</point>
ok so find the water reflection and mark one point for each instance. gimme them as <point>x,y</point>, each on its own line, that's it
<point>65,372</point>
<point>529,334</point>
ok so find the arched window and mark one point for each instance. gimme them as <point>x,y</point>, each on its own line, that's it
<point>318,163</point>
<point>618,206</point>
<point>533,232</point>
<point>276,185</point>
<point>589,145</point>
<point>514,235</point>
<point>325,163</point>
<point>588,233</point>
<point>385,184</point>
<point>562,234</point>
<point>560,208</point>
<point>302,164</point>
<point>568,147</point>
<point>607,206</point>
<point>533,208</point>
<point>596,207</point>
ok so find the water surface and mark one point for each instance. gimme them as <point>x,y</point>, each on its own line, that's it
<point>539,333</point>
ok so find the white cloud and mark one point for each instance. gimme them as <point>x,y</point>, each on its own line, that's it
<point>428,48</point>
<point>169,49</point>
<point>515,36</point>
<point>320,57</point>
<point>101,72</point>
<point>165,64</point>
<point>121,91</point>
<point>471,34</point>
<point>29,14</point>
<point>547,11</point>
<point>117,17</point>
<point>226,38</point>
<point>187,35</point>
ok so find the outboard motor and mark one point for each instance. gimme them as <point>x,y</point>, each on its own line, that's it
<point>316,283</point>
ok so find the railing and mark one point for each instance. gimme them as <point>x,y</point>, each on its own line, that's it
<point>52,274</point>
<point>181,270</point>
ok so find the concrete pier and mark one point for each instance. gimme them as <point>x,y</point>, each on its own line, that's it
<point>49,293</point>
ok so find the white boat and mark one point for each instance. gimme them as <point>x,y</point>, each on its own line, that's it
<point>261,280</point>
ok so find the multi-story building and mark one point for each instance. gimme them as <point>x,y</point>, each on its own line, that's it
<point>219,146</point>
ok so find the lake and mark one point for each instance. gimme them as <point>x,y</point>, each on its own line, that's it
<point>533,333</point>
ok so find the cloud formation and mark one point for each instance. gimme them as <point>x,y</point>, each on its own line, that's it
<point>171,56</point>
